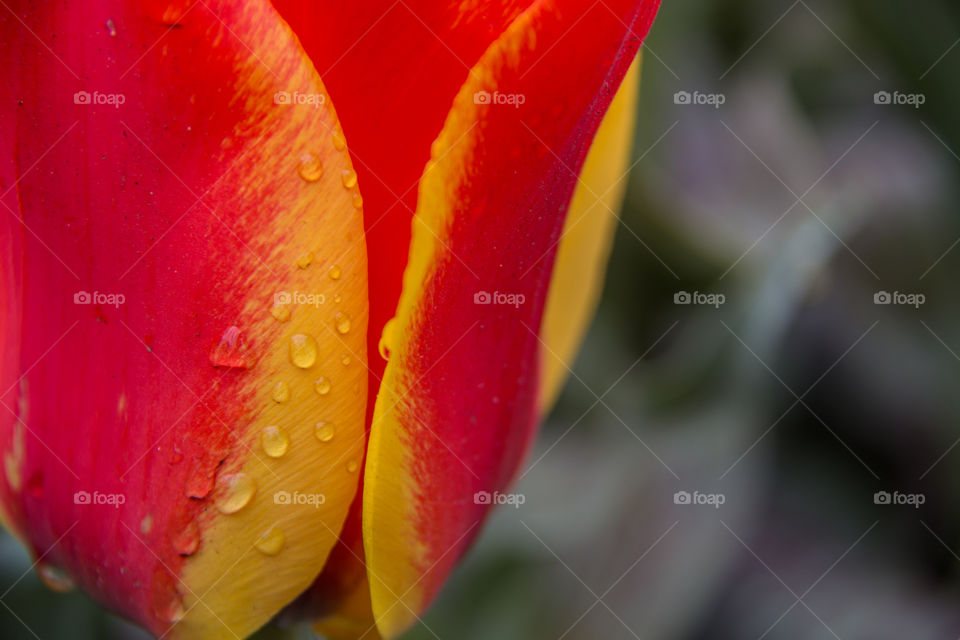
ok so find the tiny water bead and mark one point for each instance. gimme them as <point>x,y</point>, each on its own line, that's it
<point>303,350</point>
<point>111,28</point>
<point>358,200</point>
<point>342,322</point>
<point>274,441</point>
<point>271,542</point>
<point>280,312</point>
<point>305,260</point>
<point>334,272</point>
<point>174,611</point>
<point>352,466</point>
<point>339,142</point>
<point>230,351</point>
<point>146,525</point>
<point>281,392</point>
<point>345,360</point>
<point>336,298</point>
<point>55,578</point>
<point>324,431</point>
<point>187,541</point>
<point>311,167</point>
<point>322,386</point>
<point>236,491</point>
<point>349,178</point>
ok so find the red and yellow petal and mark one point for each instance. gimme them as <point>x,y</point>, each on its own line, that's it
<point>459,400</point>
<point>181,410</point>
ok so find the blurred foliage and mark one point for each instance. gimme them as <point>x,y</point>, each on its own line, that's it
<point>797,399</point>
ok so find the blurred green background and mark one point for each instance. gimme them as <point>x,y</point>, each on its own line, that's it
<point>799,199</point>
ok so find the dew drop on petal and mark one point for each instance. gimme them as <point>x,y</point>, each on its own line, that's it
<point>334,272</point>
<point>311,167</point>
<point>322,386</point>
<point>352,466</point>
<point>339,142</point>
<point>271,542</point>
<point>281,392</point>
<point>345,360</point>
<point>303,350</point>
<point>342,323</point>
<point>280,312</point>
<point>236,491</point>
<point>358,200</point>
<point>187,541</point>
<point>174,611</point>
<point>230,351</point>
<point>305,260</point>
<point>55,578</point>
<point>324,431</point>
<point>111,28</point>
<point>349,178</point>
<point>274,441</point>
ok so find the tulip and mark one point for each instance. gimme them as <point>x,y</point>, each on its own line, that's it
<point>232,386</point>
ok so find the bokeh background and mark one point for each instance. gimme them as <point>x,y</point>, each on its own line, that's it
<point>792,411</point>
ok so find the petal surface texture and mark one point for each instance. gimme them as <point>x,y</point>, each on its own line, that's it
<point>183,309</point>
<point>459,401</point>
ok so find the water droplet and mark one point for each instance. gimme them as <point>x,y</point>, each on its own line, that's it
<point>345,359</point>
<point>271,542</point>
<point>352,466</point>
<point>111,28</point>
<point>311,167</point>
<point>174,611</point>
<point>303,350</point>
<point>55,578</point>
<point>280,312</point>
<point>236,491</point>
<point>334,272</point>
<point>230,351</point>
<point>281,392</point>
<point>322,386</point>
<point>187,541</point>
<point>339,142</point>
<point>349,178</point>
<point>146,524</point>
<point>324,431</point>
<point>199,484</point>
<point>386,338</point>
<point>342,323</point>
<point>274,441</point>
<point>358,200</point>
<point>305,260</point>
<point>336,298</point>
